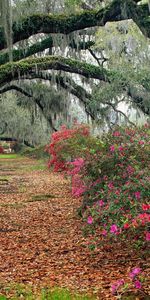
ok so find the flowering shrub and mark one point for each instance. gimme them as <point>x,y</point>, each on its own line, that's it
<point>1,150</point>
<point>112,174</point>
<point>58,149</point>
<point>68,149</point>
<point>121,286</point>
<point>118,198</point>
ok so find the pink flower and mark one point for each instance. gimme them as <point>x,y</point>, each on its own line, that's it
<point>120,148</point>
<point>135,272</point>
<point>137,284</point>
<point>137,195</point>
<point>130,170</point>
<point>90,220</point>
<point>116,285</point>
<point>114,288</point>
<point>147,236</point>
<point>110,185</point>
<point>104,232</point>
<point>126,226</point>
<point>145,206</point>
<point>101,203</point>
<point>114,229</point>
<point>141,142</point>
<point>112,148</point>
<point>116,133</point>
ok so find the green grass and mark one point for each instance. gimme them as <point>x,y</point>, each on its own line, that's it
<point>41,166</point>
<point>21,292</point>
<point>9,156</point>
<point>37,153</point>
<point>41,197</point>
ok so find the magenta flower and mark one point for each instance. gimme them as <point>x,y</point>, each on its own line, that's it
<point>145,206</point>
<point>141,142</point>
<point>101,203</point>
<point>126,226</point>
<point>90,220</point>
<point>137,284</point>
<point>137,195</point>
<point>114,288</point>
<point>116,285</point>
<point>114,229</point>
<point>110,185</point>
<point>135,272</point>
<point>112,148</point>
<point>104,232</point>
<point>116,133</point>
<point>147,237</point>
<point>120,148</point>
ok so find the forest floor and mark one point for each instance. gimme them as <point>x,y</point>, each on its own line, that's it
<point>41,242</point>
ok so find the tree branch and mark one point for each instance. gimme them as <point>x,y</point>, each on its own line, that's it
<point>11,71</point>
<point>17,88</point>
<point>68,84</point>
<point>19,54</point>
<point>65,24</point>
<point>120,112</point>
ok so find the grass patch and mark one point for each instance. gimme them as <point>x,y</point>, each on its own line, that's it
<point>13,205</point>
<point>41,197</point>
<point>9,156</point>
<point>22,189</point>
<point>21,292</point>
<point>4,178</point>
<point>40,167</point>
<point>37,153</point>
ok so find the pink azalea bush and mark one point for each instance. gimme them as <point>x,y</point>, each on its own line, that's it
<point>136,278</point>
<point>111,174</point>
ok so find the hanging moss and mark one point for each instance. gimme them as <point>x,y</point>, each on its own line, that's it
<point>65,24</point>
<point>10,71</point>
<point>6,18</point>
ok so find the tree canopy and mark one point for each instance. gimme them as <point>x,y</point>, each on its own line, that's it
<point>48,42</point>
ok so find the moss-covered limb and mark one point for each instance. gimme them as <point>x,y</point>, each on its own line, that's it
<point>49,24</point>
<point>18,54</point>
<point>117,10</point>
<point>68,84</point>
<point>11,71</point>
<point>39,47</point>
<point>15,87</point>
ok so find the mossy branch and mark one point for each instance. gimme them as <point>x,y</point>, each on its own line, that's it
<point>11,71</point>
<point>65,24</point>
<point>15,70</point>
<point>15,87</point>
<point>19,54</point>
<point>66,83</point>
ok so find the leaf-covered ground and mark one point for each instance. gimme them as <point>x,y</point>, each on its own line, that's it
<point>41,242</point>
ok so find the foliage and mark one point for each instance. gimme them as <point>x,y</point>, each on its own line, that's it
<point>111,174</point>
<point>37,152</point>
<point>25,124</point>
<point>58,149</point>
<point>29,22</point>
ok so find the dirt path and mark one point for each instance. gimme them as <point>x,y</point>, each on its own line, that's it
<point>40,234</point>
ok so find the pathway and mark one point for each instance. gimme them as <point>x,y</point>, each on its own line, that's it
<point>41,242</point>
